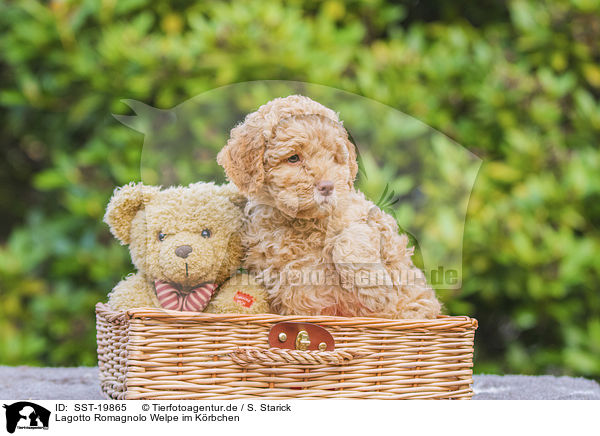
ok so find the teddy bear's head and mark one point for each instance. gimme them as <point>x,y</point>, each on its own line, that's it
<point>180,235</point>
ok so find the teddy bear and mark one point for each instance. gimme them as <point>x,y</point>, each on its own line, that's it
<point>185,244</point>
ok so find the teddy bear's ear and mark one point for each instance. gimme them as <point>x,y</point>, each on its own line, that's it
<point>234,195</point>
<point>242,157</point>
<point>122,208</point>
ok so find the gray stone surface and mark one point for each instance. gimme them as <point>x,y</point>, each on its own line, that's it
<point>526,387</point>
<point>30,383</point>
<point>25,383</point>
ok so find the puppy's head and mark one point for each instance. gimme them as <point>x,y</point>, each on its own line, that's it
<point>293,154</point>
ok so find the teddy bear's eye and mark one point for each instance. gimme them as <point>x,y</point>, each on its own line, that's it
<point>161,236</point>
<point>294,159</point>
<point>205,233</point>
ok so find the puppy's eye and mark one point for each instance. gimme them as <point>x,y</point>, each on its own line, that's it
<point>161,236</point>
<point>205,233</point>
<point>294,159</point>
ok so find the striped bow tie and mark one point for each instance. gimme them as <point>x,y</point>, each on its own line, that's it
<point>194,300</point>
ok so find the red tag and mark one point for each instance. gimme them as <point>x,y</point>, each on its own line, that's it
<point>243,299</point>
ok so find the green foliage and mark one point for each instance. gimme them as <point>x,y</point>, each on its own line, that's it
<point>517,83</point>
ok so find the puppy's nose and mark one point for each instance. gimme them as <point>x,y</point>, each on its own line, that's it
<point>325,187</point>
<point>183,251</point>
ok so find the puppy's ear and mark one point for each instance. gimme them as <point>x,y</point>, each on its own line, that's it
<point>242,157</point>
<point>352,163</point>
<point>124,205</point>
<point>234,195</point>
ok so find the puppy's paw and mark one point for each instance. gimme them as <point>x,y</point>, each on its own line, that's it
<point>357,244</point>
<point>377,301</point>
<point>420,303</point>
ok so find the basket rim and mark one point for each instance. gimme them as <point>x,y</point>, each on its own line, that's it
<point>443,322</point>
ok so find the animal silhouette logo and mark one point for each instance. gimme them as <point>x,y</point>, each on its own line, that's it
<point>26,415</point>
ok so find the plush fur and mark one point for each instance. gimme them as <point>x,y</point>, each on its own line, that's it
<point>335,254</point>
<point>137,214</point>
<point>240,294</point>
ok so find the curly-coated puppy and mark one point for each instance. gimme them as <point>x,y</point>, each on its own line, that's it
<point>319,246</point>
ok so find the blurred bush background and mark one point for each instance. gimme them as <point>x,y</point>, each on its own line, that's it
<point>517,83</point>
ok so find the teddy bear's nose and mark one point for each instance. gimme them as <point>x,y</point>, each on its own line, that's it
<point>183,251</point>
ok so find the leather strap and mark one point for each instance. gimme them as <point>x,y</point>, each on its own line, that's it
<point>316,335</point>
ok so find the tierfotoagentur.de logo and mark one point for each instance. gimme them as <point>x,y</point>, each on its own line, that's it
<point>26,415</point>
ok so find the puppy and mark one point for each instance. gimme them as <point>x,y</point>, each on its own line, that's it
<point>319,246</point>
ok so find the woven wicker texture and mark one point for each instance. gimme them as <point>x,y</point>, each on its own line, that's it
<point>160,354</point>
<point>112,336</point>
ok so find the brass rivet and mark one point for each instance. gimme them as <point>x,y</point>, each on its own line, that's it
<point>322,346</point>
<point>282,337</point>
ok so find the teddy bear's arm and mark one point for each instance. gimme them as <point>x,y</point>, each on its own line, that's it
<point>133,291</point>
<point>240,294</point>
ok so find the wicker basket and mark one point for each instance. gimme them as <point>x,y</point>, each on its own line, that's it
<point>160,354</point>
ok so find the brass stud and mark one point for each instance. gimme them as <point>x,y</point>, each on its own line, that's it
<point>282,337</point>
<point>322,346</point>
